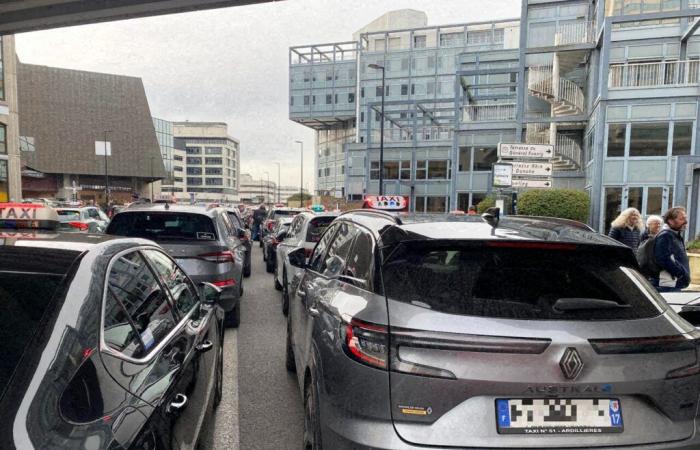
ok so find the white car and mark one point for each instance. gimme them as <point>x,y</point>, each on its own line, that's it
<point>305,231</point>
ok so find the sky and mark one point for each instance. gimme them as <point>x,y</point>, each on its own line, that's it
<point>231,65</point>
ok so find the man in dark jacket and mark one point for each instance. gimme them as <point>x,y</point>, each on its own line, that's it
<point>258,218</point>
<point>670,254</point>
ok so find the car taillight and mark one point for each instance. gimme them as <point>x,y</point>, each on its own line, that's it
<point>269,225</point>
<point>656,344</point>
<point>79,225</point>
<point>224,283</point>
<point>366,343</point>
<point>218,257</point>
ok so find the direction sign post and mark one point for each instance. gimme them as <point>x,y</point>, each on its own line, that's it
<point>527,168</point>
<point>527,151</point>
<point>532,183</point>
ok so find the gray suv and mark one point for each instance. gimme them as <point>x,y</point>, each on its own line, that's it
<point>203,241</point>
<point>449,332</point>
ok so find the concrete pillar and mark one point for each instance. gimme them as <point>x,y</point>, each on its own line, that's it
<point>11,120</point>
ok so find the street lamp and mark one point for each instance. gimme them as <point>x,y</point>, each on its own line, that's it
<point>278,181</point>
<point>381,131</point>
<point>301,170</point>
<point>267,187</point>
<point>106,172</point>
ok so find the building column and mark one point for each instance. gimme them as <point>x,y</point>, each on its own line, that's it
<point>13,155</point>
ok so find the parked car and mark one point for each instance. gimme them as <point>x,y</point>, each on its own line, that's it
<point>109,344</point>
<point>203,241</point>
<point>272,240</point>
<point>274,214</point>
<point>243,234</point>
<point>89,219</point>
<point>418,333</point>
<point>306,230</point>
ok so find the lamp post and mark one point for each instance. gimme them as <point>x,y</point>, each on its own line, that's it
<point>267,186</point>
<point>381,130</point>
<point>106,172</point>
<point>278,181</point>
<point>301,171</point>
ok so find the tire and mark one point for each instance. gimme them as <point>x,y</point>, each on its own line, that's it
<point>278,286</point>
<point>269,265</point>
<point>285,293</point>
<point>289,362</point>
<point>247,266</point>
<point>219,390</point>
<point>264,252</point>
<point>312,426</point>
<point>232,319</point>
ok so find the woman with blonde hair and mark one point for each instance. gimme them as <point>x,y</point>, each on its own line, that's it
<point>628,228</point>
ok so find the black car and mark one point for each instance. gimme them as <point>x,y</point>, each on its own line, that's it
<point>107,344</point>
<point>270,242</point>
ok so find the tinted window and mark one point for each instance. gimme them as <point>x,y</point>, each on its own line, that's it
<point>175,279</point>
<point>68,215</point>
<point>235,220</point>
<point>163,226</point>
<point>517,283</point>
<point>24,298</point>
<point>283,212</point>
<point>338,250</point>
<point>319,252</point>
<point>317,227</point>
<point>137,313</point>
<point>359,264</point>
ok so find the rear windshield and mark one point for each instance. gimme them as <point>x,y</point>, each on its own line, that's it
<point>283,212</point>
<point>23,300</point>
<point>68,215</point>
<point>317,227</point>
<point>160,226</point>
<point>517,283</point>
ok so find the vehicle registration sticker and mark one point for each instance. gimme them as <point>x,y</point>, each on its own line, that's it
<point>559,416</point>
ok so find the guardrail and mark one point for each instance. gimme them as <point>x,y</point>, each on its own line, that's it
<point>540,80</point>
<point>574,33</point>
<point>489,113</point>
<point>665,73</point>
<point>568,148</point>
<point>423,134</point>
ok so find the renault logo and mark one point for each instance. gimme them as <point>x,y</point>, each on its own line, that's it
<point>571,363</point>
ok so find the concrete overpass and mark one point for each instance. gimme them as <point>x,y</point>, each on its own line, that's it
<point>29,15</point>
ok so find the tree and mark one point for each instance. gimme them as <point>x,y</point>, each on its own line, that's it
<point>295,198</point>
<point>488,202</point>
<point>563,203</point>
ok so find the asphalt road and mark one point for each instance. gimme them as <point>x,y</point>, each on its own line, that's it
<point>261,406</point>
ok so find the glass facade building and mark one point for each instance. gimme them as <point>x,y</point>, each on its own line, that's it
<point>612,85</point>
<point>173,159</point>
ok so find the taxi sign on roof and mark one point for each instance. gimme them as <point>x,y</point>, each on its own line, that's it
<point>386,202</point>
<point>27,216</point>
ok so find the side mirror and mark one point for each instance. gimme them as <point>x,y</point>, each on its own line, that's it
<point>282,236</point>
<point>241,233</point>
<point>210,293</point>
<point>297,258</point>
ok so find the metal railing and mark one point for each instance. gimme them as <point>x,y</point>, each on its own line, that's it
<point>574,33</point>
<point>568,148</point>
<point>540,81</point>
<point>537,133</point>
<point>666,73</point>
<point>491,113</point>
<point>432,133</point>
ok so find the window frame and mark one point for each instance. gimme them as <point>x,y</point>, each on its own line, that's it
<point>180,321</point>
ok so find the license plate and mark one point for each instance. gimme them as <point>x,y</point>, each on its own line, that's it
<point>558,416</point>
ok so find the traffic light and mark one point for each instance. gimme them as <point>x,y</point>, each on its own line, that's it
<point>514,202</point>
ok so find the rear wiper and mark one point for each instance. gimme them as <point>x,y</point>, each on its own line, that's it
<point>576,303</point>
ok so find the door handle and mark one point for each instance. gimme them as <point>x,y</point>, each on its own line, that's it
<point>204,346</point>
<point>178,403</point>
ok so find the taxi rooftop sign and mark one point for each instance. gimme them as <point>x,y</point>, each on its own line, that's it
<point>386,202</point>
<point>27,216</point>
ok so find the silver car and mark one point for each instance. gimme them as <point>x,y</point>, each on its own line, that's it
<point>305,232</point>
<point>202,240</point>
<point>89,219</point>
<point>418,333</point>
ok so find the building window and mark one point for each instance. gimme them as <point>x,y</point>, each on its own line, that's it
<point>404,89</point>
<point>177,158</point>
<point>649,139</point>
<point>405,168</point>
<point>213,150</point>
<point>420,41</point>
<point>194,150</point>
<point>192,160</point>
<point>306,100</point>
<point>682,138</point>
<point>194,171</point>
<point>177,168</point>
<point>378,91</point>
<point>194,181</point>
<point>2,75</point>
<point>438,170</point>
<point>451,39</point>
<point>214,181</point>
<point>216,161</point>
<point>484,158</point>
<point>213,171</point>
<point>362,92</point>
<point>329,99</point>
<point>465,159</point>
<point>351,97</point>
<point>431,204</point>
<point>616,139</point>
<point>26,143</point>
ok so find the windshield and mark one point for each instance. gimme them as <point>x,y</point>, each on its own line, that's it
<point>68,215</point>
<point>515,283</point>
<point>284,213</point>
<point>163,226</point>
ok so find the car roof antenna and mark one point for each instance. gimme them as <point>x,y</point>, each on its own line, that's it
<point>492,216</point>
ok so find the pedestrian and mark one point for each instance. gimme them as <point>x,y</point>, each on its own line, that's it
<point>670,254</point>
<point>258,218</point>
<point>627,228</point>
<point>472,211</point>
<point>654,224</point>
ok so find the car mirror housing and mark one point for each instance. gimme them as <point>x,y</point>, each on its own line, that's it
<point>282,236</point>
<point>211,294</point>
<point>297,258</point>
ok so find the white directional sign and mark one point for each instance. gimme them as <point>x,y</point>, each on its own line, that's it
<point>521,168</point>
<point>532,183</point>
<point>502,175</point>
<point>531,151</point>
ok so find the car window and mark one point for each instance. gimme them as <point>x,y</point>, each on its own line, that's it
<point>163,226</point>
<point>92,213</point>
<point>515,282</point>
<point>183,292</point>
<point>68,215</point>
<point>296,226</point>
<point>317,226</point>
<point>235,220</point>
<point>228,226</point>
<point>138,315</point>
<point>360,262</point>
<point>316,259</point>
<point>339,250</point>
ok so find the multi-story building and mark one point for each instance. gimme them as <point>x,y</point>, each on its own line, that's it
<point>10,174</point>
<point>173,159</point>
<point>211,168</point>
<point>613,85</point>
<point>287,191</point>
<point>252,190</point>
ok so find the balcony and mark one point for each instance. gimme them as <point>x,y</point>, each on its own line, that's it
<point>489,113</point>
<point>429,133</point>
<point>657,74</point>
<point>574,33</point>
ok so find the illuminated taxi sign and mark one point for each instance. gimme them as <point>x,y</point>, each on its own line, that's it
<point>386,202</point>
<point>27,216</point>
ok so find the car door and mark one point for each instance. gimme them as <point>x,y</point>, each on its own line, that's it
<point>289,243</point>
<point>235,245</point>
<point>148,347</point>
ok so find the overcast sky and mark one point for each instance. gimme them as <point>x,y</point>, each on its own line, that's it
<point>231,65</point>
